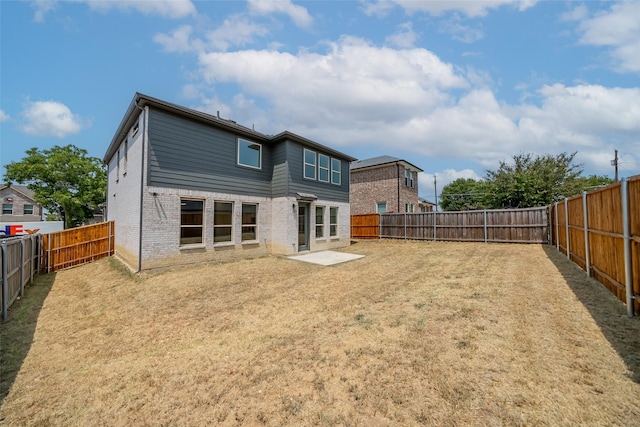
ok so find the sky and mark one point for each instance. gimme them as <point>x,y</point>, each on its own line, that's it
<point>453,87</point>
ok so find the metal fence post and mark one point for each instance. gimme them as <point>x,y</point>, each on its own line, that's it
<point>557,228</point>
<point>566,225</point>
<point>434,225</point>
<point>5,284</point>
<point>485,225</point>
<point>405,226</point>
<point>627,245</point>
<point>587,258</point>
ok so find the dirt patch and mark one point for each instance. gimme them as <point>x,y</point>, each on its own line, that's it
<point>415,333</point>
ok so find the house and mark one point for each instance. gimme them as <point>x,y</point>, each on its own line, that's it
<point>383,184</point>
<point>425,206</point>
<point>18,204</point>
<point>185,186</point>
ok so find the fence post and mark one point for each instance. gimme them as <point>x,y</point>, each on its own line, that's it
<point>627,245</point>
<point>587,258</point>
<point>379,226</point>
<point>435,212</point>
<point>566,225</point>
<point>557,228</point>
<point>405,226</point>
<point>485,225</point>
<point>22,258</point>
<point>5,285</point>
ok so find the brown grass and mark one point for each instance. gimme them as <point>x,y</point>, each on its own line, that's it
<point>415,333</point>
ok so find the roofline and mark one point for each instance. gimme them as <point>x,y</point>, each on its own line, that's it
<point>21,192</point>
<point>389,163</point>
<point>140,101</point>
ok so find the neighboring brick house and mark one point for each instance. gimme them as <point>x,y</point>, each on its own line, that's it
<point>185,186</point>
<point>18,204</point>
<point>383,184</point>
<point>425,205</point>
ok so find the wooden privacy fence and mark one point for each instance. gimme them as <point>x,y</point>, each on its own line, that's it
<point>365,226</point>
<point>504,225</point>
<point>600,231</point>
<point>77,246</point>
<point>20,263</point>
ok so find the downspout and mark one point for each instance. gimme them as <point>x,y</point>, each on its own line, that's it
<point>145,131</point>
<point>398,173</point>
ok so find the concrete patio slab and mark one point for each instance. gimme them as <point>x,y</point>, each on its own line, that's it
<point>326,257</point>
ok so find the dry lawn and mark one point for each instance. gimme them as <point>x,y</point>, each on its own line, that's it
<point>415,333</point>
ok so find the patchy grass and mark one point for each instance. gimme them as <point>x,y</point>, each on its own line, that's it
<point>415,333</point>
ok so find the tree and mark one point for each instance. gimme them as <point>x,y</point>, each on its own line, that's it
<point>463,194</point>
<point>65,181</point>
<point>534,181</point>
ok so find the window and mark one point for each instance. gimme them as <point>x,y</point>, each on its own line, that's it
<point>406,177</point>
<point>222,222</point>
<point>381,207</point>
<point>126,156</point>
<point>191,221</point>
<point>408,207</point>
<point>411,179</point>
<point>309,164</point>
<point>323,168</point>
<point>249,222</point>
<point>28,209</point>
<point>249,154</point>
<point>319,222</point>
<point>333,222</point>
<point>135,129</point>
<point>7,209</point>
<point>336,171</point>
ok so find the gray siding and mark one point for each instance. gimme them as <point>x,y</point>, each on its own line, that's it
<point>191,155</point>
<point>280,179</point>
<point>323,190</point>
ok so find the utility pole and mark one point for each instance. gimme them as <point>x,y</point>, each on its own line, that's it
<point>614,162</point>
<point>435,188</point>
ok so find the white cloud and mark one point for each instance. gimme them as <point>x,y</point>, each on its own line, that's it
<point>461,32</point>
<point>179,40</point>
<point>470,8</point>
<point>298,14</point>
<point>356,94</point>
<point>405,37</point>
<point>166,8</point>
<point>3,116</point>
<point>617,28</point>
<point>50,118</point>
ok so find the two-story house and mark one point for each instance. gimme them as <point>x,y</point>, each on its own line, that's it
<point>185,186</point>
<point>383,184</point>
<point>18,204</point>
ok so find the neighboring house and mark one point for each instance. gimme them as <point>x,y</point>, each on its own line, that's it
<point>185,186</point>
<point>18,204</point>
<point>425,205</point>
<point>383,184</point>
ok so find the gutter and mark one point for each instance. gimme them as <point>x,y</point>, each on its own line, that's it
<point>398,170</point>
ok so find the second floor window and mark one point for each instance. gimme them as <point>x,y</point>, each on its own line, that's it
<point>323,168</point>
<point>28,209</point>
<point>336,171</point>
<point>249,154</point>
<point>309,164</point>
<point>7,209</point>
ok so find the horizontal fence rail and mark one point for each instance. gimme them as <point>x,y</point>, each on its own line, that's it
<point>20,262</point>
<point>77,246</point>
<point>529,225</point>
<point>600,232</point>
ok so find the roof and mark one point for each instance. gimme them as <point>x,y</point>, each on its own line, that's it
<point>379,161</point>
<point>22,189</point>
<point>140,101</point>
<point>421,200</point>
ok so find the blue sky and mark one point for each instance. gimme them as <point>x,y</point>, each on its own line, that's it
<point>454,87</point>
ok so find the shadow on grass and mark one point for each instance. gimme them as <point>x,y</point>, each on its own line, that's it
<point>610,314</point>
<point>16,333</point>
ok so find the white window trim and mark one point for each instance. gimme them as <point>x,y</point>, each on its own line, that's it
<point>202,226</point>
<point>385,207</point>
<point>228,242</point>
<point>314,164</point>
<point>334,236</point>
<point>242,224</point>
<point>328,168</point>
<point>339,171</point>
<point>238,154</point>
<point>324,224</point>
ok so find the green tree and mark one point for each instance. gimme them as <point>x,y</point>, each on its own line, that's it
<point>65,181</point>
<point>463,194</point>
<point>593,181</point>
<point>534,181</point>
